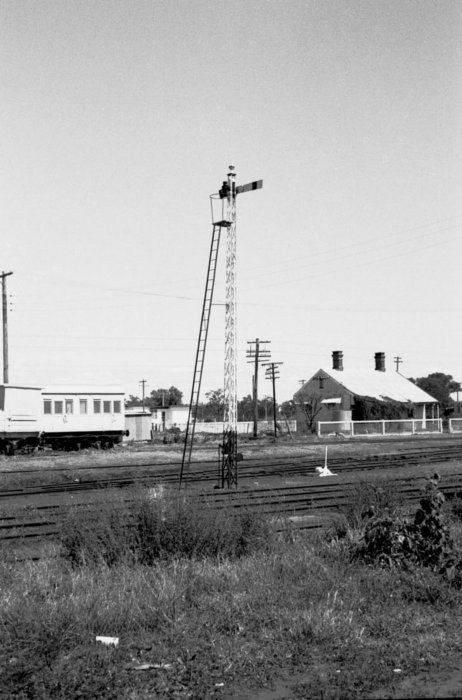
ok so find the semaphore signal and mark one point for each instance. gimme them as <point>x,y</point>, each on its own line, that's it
<point>224,218</point>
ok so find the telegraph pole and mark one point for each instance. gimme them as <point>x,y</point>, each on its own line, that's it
<point>257,354</point>
<point>143,383</point>
<point>272,372</point>
<point>398,361</point>
<point>4,275</point>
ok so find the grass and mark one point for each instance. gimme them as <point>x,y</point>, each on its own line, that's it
<point>198,623</point>
<point>159,524</point>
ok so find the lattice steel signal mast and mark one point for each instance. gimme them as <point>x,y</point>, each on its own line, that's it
<point>226,198</point>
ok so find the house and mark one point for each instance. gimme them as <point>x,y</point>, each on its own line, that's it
<point>340,394</point>
<point>166,417</point>
<point>177,417</point>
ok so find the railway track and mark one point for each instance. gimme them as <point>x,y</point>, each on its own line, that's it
<point>207,472</point>
<point>32,514</point>
<point>308,506</point>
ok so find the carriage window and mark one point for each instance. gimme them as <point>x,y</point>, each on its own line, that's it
<point>83,405</point>
<point>97,406</point>
<point>47,406</point>
<point>58,406</point>
<point>117,406</point>
<point>69,406</point>
<point>106,406</point>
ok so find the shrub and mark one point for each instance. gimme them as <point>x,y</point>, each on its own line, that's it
<point>160,525</point>
<point>171,435</point>
<point>180,526</point>
<point>89,535</point>
<point>424,541</point>
<point>365,499</point>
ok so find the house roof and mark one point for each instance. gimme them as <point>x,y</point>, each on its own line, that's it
<point>378,385</point>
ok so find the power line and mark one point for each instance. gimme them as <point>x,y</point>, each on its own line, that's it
<point>333,252</point>
<point>333,270</point>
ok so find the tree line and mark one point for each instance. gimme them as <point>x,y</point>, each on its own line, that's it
<point>212,409</point>
<point>438,384</point>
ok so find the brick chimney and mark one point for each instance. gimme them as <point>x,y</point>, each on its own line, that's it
<point>380,361</point>
<point>337,360</point>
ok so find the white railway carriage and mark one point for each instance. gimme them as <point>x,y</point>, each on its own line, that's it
<point>20,416</point>
<point>82,416</point>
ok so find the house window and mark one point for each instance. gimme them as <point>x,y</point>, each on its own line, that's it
<point>97,406</point>
<point>83,406</point>
<point>69,406</point>
<point>154,413</point>
<point>58,407</point>
<point>117,406</point>
<point>47,406</point>
<point>106,406</point>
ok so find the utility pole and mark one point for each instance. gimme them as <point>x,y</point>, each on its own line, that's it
<point>143,383</point>
<point>4,275</point>
<point>256,354</point>
<point>398,361</point>
<point>272,372</point>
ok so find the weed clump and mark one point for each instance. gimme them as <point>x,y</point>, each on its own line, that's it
<point>90,536</point>
<point>158,526</point>
<point>425,540</point>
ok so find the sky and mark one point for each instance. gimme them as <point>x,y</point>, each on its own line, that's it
<point>119,118</point>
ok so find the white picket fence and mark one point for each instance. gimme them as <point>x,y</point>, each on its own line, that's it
<point>364,428</point>
<point>243,427</point>
<point>455,425</point>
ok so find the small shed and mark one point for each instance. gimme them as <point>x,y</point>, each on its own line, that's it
<point>167,417</point>
<point>138,423</point>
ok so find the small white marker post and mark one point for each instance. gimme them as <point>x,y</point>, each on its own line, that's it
<point>325,471</point>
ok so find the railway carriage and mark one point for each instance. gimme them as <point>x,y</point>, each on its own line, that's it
<point>82,416</point>
<point>20,416</point>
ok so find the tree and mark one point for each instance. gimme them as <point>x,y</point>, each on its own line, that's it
<point>310,407</point>
<point>214,409</point>
<point>265,408</point>
<point>164,397</point>
<point>289,409</point>
<point>245,408</point>
<point>133,401</point>
<point>439,385</point>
